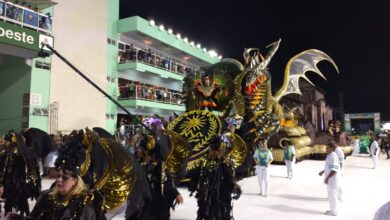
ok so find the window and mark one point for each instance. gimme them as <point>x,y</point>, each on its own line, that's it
<point>41,111</point>
<point>111,41</point>
<point>42,65</point>
<point>121,46</point>
<point>110,116</point>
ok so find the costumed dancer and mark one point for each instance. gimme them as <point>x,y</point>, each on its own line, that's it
<point>289,157</point>
<point>152,156</point>
<point>19,174</point>
<point>163,189</point>
<point>69,199</point>
<point>214,184</point>
<point>331,176</point>
<point>206,92</point>
<point>263,158</point>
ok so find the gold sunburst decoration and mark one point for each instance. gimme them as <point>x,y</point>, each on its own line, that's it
<point>197,128</point>
<point>193,124</point>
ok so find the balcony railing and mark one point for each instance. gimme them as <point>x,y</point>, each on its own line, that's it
<point>25,17</point>
<point>133,91</point>
<point>150,58</point>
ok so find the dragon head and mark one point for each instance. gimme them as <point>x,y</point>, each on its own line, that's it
<point>256,64</point>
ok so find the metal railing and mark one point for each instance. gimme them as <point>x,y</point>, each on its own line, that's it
<point>134,91</point>
<point>150,58</point>
<point>25,17</point>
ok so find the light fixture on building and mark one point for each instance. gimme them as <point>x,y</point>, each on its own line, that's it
<point>170,31</point>
<point>161,27</point>
<point>151,22</point>
<point>212,53</point>
<point>193,43</point>
<point>219,57</point>
<point>198,46</point>
<point>147,42</point>
<point>178,36</point>
<point>186,39</point>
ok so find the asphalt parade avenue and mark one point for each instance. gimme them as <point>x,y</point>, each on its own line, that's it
<point>304,197</point>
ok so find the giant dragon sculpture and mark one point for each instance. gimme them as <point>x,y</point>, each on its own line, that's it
<point>247,94</point>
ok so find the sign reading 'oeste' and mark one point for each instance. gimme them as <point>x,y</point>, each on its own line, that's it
<point>17,36</point>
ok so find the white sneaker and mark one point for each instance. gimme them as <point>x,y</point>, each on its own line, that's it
<point>265,195</point>
<point>331,213</point>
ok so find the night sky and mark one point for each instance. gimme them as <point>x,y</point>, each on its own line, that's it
<point>356,34</point>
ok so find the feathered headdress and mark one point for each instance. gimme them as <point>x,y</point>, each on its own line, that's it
<point>74,155</point>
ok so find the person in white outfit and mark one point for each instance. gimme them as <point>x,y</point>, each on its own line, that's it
<point>331,178</point>
<point>356,146</point>
<point>374,150</point>
<point>263,157</point>
<point>340,155</point>
<point>289,156</point>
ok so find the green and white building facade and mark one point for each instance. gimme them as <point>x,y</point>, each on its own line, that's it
<point>47,94</point>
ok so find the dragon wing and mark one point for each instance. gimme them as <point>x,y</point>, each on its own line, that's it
<point>297,67</point>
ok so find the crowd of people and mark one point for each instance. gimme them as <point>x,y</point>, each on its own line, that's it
<point>150,57</point>
<point>138,90</point>
<point>24,12</point>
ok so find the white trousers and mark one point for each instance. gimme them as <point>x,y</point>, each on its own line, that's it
<point>333,192</point>
<point>263,177</point>
<point>290,167</point>
<point>375,160</point>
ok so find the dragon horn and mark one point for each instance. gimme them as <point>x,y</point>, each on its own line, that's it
<point>246,53</point>
<point>270,54</point>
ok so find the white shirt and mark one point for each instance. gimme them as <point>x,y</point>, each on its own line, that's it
<point>374,145</point>
<point>340,154</point>
<point>332,163</point>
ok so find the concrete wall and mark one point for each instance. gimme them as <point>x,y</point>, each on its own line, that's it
<point>15,74</point>
<point>40,85</point>
<point>80,30</point>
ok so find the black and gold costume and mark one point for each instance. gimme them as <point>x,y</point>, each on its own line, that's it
<point>163,191</point>
<point>78,207</point>
<point>214,184</point>
<point>214,189</point>
<point>19,175</point>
